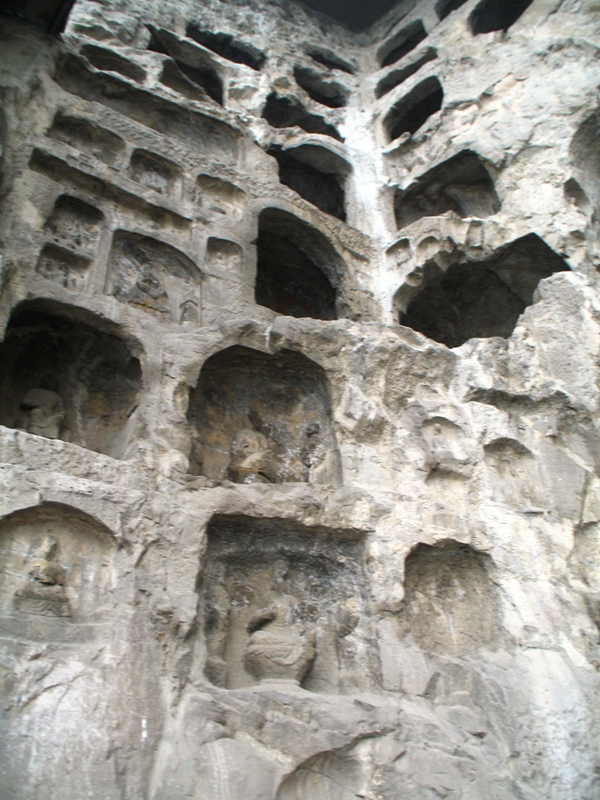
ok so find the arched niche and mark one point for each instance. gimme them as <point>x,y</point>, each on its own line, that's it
<point>273,585</point>
<point>286,112</point>
<point>298,270</point>
<point>451,602</point>
<point>152,276</point>
<point>585,157</point>
<point>461,185</point>
<point>66,377</point>
<point>57,577</point>
<point>262,418</point>
<point>490,15</point>
<point>402,43</point>
<point>316,174</point>
<point>398,76</point>
<point>322,90</point>
<point>413,110</point>
<point>478,299</point>
<point>443,8</point>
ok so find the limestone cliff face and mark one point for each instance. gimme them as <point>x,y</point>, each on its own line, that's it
<point>299,403</point>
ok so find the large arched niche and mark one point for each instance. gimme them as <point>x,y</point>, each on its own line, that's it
<point>260,418</point>
<point>67,375</point>
<point>57,575</point>
<point>477,299</point>
<point>451,602</point>
<point>298,272</point>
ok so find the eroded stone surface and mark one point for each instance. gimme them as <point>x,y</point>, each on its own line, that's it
<point>299,403</point>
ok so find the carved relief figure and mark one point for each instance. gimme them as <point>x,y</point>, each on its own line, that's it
<point>279,648</point>
<point>252,460</point>
<point>44,592</point>
<point>43,413</point>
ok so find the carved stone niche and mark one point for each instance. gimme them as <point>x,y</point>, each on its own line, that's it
<point>56,574</point>
<point>260,418</point>
<point>584,152</point>
<point>156,173</point>
<point>217,198</point>
<point>451,602</point>
<point>72,232</point>
<point>477,299</point>
<point>286,605</point>
<point>63,378</point>
<point>153,276</point>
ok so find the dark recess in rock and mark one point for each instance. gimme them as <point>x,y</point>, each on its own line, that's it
<point>291,259</point>
<point>327,93</point>
<point>402,43</point>
<point>490,15</point>
<point>443,8</point>
<point>461,184</point>
<point>484,298</point>
<point>282,112</point>
<point>51,15</point>
<point>398,76</point>
<point>356,16</point>
<point>322,189</point>
<point>186,78</point>
<point>415,108</point>
<point>224,45</point>
<point>92,371</point>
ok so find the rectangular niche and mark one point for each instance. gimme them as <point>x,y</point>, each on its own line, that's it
<point>284,604</point>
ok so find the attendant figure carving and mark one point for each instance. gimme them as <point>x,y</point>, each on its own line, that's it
<point>44,591</point>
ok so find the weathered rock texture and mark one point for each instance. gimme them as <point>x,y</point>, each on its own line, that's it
<point>299,403</point>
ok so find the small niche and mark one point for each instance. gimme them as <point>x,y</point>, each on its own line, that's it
<point>87,137</point>
<point>398,76</point>
<point>414,109</point>
<point>152,275</point>
<point>451,603</point>
<point>484,298</point>
<point>74,224</point>
<point>196,84</point>
<point>443,8</point>
<point>224,45</point>
<point>109,61</point>
<point>282,112</point>
<point>490,15</point>
<point>56,582</point>
<point>223,256</point>
<point>67,379</point>
<point>285,605</point>
<point>402,43</point>
<point>260,418</point>
<point>315,174</point>
<point>326,92</point>
<point>64,267</point>
<point>296,267</point>
<point>331,61</point>
<point>461,185</point>
<point>156,173</point>
<point>585,157</point>
<point>218,197</point>
<point>197,80</point>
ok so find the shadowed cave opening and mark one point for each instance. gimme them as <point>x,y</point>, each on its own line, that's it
<point>398,76</point>
<point>443,8</point>
<point>66,378</point>
<point>224,45</point>
<point>327,93</point>
<point>585,157</point>
<point>490,15</point>
<point>315,174</point>
<point>481,299</point>
<point>414,109</point>
<point>402,43</point>
<point>283,112</point>
<point>296,267</point>
<point>262,418</point>
<point>461,184</point>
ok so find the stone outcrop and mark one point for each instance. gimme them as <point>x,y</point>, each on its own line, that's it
<point>299,402</point>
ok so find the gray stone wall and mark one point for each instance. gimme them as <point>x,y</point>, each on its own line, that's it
<point>299,403</point>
